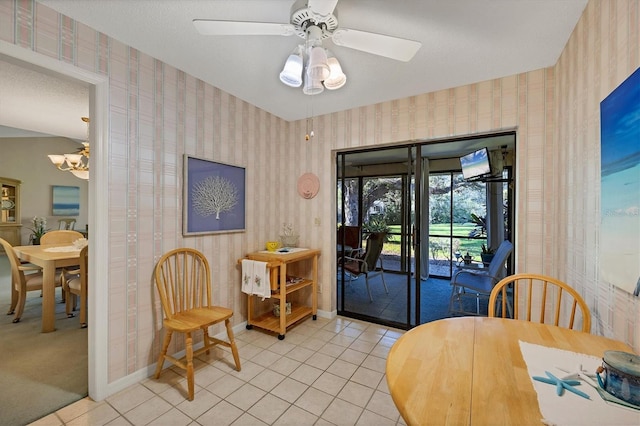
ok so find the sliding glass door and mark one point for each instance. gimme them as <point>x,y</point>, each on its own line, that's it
<point>379,201</point>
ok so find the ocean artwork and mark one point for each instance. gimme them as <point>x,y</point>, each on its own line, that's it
<point>66,200</point>
<point>620,186</point>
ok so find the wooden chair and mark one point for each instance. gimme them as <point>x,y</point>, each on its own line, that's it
<point>533,291</point>
<point>21,283</point>
<point>60,237</point>
<point>66,224</point>
<point>183,280</point>
<point>77,287</point>
<point>63,237</point>
<point>477,284</point>
<point>367,264</point>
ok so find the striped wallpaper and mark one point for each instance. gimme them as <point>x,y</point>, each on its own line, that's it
<point>157,113</point>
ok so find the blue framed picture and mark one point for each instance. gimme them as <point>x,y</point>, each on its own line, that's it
<point>214,197</point>
<point>620,185</point>
<point>66,200</point>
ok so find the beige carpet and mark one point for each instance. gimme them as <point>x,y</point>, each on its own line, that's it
<point>39,373</point>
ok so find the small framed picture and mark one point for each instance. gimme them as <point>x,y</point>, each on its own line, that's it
<point>214,197</point>
<point>65,200</point>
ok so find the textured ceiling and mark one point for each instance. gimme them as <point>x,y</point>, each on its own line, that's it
<point>463,41</point>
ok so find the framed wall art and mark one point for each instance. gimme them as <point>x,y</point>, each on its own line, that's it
<point>620,185</point>
<point>214,197</point>
<point>65,200</point>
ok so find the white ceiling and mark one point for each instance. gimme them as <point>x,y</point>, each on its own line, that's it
<point>463,41</point>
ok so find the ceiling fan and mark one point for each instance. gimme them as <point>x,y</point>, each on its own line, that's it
<point>315,21</point>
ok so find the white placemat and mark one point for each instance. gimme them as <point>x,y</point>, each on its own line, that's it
<point>571,409</point>
<point>61,249</point>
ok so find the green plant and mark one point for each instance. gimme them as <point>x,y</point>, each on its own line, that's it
<point>480,229</point>
<point>39,227</point>
<point>488,250</point>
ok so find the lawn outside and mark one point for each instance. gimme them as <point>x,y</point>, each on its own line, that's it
<point>439,247</point>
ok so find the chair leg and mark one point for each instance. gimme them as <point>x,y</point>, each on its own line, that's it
<point>366,280</point>
<point>70,305</point>
<point>83,310</point>
<point>384,283</point>
<point>189,359</point>
<point>14,300</point>
<point>22,298</point>
<point>232,342</point>
<point>163,352</point>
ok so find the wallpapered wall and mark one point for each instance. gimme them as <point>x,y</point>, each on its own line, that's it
<point>157,113</point>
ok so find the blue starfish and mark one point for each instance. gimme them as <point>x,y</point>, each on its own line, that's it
<point>561,385</point>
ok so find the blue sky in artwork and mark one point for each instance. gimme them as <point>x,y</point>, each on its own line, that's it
<point>620,126</point>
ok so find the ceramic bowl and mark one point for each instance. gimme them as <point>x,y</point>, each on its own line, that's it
<point>272,245</point>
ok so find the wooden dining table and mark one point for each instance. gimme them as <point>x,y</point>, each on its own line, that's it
<point>49,257</point>
<point>470,370</point>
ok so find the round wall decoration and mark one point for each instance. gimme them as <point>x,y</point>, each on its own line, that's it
<point>308,185</point>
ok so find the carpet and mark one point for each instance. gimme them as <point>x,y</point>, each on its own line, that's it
<point>39,372</point>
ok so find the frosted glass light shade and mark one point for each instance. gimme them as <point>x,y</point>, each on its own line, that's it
<point>337,78</point>
<point>312,86</point>
<point>82,174</point>
<point>318,69</point>
<point>291,74</point>
<point>56,159</point>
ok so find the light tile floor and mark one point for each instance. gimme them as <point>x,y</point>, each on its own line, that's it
<point>325,372</point>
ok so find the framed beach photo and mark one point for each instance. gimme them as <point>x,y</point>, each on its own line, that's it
<point>214,198</point>
<point>65,200</point>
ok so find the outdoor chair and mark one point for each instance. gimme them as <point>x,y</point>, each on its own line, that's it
<point>367,263</point>
<point>518,295</point>
<point>349,241</point>
<point>475,284</point>
<point>183,280</point>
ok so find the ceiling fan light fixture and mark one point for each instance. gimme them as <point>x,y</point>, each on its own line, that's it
<point>291,74</point>
<point>337,78</point>
<point>318,68</point>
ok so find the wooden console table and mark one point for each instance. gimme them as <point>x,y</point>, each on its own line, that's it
<point>277,263</point>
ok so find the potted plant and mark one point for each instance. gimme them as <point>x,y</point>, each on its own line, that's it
<point>487,254</point>
<point>38,230</point>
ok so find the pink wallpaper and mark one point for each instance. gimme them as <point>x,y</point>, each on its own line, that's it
<point>157,113</point>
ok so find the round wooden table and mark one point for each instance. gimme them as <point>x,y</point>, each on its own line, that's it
<point>469,370</point>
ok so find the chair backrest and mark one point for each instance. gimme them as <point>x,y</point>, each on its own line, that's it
<point>84,266</point>
<point>60,237</point>
<point>17,276</point>
<point>557,301</point>
<point>496,267</point>
<point>375,242</point>
<point>183,279</point>
<point>352,236</point>
<point>66,224</point>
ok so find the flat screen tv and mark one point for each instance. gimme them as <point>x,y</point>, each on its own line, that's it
<point>476,164</point>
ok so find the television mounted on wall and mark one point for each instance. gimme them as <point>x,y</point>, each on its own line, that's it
<point>476,165</point>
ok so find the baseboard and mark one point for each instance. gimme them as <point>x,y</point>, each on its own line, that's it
<point>148,371</point>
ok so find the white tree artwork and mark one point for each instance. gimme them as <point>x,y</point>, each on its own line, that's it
<point>214,194</point>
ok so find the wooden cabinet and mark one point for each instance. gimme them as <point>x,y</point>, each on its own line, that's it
<point>10,211</point>
<point>304,264</point>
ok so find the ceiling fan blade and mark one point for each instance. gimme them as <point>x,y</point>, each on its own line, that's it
<point>322,7</point>
<point>212,27</point>
<point>396,48</point>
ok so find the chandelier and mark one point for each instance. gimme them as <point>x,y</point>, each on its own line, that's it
<point>78,163</point>
<point>321,71</point>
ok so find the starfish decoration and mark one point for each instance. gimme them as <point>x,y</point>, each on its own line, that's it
<point>574,375</point>
<point>561,384</point>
